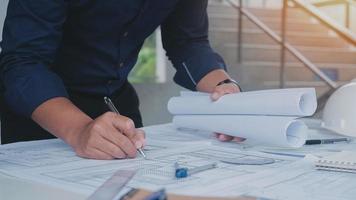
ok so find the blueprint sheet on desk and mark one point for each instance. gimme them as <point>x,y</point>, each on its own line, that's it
<point>53,162</point>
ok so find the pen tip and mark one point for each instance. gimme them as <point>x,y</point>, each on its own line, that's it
<point>142,153</point>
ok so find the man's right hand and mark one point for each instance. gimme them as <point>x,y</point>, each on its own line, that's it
<point>107,137</point>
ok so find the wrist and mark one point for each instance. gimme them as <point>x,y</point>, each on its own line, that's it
<point>209,81</point>
<point>229,81</point>
<point>74,132</point>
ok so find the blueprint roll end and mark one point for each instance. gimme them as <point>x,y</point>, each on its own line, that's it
<point>296,133</point>
<point>308,103</point>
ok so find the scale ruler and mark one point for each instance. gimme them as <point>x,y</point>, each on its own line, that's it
<point>111,187</point>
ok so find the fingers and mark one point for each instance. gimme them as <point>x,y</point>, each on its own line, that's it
<point>238,139</point>
<point>105,134</point>
<point>139,139</point>
<point>226,138</point>
<point>127,127</point>
<point>113,150</point>
<point>221,90</point>
<point>120,141</point>
<point>124,124</point>
<point>223,138</point>
<point>109,136</point>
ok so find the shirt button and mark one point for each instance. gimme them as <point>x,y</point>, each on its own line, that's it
<point>121,64</point>
<point>126,33</point>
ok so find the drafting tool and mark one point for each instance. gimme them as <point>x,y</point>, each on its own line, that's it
<point>298,155</point>
<point>141,194</point>
<point>112,107</point>
<point>111,188</point>
<point>248,161</point>
<point>182,172</point>
<point>159,195</point>
<point>131,193</point>
<point>327,141</point>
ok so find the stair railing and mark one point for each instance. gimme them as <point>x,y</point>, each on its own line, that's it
<point>280,40</point>
<point>342,32</point>
<point>347,5</point>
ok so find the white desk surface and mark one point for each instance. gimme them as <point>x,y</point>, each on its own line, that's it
<point>21,188</point>
<point>12,188</point>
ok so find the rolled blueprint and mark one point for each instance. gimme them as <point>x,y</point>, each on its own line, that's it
<point>278,131</point>
<point>285,102</point>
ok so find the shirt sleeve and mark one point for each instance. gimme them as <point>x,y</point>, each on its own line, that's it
<point>31,36</point>
<point>185,39</point>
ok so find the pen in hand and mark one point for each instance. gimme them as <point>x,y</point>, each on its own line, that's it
<point>113,109</point>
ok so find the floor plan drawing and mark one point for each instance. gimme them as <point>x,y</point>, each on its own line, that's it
<point>156,172</point>
<point>53,163</point>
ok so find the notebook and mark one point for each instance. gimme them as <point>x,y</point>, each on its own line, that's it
<point>344,161</point>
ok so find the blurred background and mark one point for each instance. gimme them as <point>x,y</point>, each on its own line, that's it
<point>265,43</point>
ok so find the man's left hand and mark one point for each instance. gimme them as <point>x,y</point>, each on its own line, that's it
<point>219,91</point>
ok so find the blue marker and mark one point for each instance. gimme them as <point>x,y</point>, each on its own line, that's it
<point>183,172</point>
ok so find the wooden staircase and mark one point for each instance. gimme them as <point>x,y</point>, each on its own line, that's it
<point>260,64</point>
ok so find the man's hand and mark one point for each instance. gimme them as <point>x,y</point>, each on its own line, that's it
<point>209,84</point>
<point>108,137</point>
<point>218,92</point>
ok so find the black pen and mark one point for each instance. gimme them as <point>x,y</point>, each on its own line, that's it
<point>113,109</point>
<point>326,141</point>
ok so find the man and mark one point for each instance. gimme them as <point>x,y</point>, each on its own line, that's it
<point>61,57</point>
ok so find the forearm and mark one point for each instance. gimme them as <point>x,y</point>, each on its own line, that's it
<point>208,82</point>
<point>62,118</point>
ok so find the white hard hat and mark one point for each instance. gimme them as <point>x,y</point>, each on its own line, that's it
<point>340,110</point>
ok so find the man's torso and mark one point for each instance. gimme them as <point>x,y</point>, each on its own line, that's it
<point>101,41</point>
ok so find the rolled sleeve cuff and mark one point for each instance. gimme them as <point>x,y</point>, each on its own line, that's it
<point>28,87</point>
<point>199,64</point>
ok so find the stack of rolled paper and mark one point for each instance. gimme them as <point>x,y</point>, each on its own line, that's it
<point>266,117</point>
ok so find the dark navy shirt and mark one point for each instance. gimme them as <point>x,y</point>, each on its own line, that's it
<point>90,46</point>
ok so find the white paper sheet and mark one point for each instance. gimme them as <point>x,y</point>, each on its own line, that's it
<point>304,182</point>
<point>289,102</point>
<point>52,162</point>
<point>295,181</point>
<point>167,135</point>
<point>259,181</point>
<point>157,172</point>
<point>263,130</point>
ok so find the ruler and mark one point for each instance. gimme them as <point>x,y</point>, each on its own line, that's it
<point>110,189</point>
